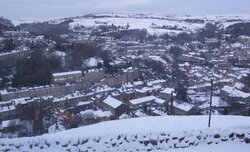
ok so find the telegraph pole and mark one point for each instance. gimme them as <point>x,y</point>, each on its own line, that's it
<point>171,106</point>
<point>210,107</point>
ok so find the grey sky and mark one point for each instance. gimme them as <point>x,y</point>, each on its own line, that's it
<point>21,9</point>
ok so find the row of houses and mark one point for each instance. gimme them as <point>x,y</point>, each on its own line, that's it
<point>93,75</point>
<point>80,82</point>
<point>52,90</point>
<point>66,77</point>
<point>174,107</point>
<point>107,100</point>
<point>136,100</point>
<point>130,97</point>
<point>234,96</point>
<point>19,108</point>
<point>9,59</point>
<point>128,75</point>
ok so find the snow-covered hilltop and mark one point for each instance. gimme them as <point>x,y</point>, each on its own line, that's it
<point>154,24</point>
<point>140,134</point>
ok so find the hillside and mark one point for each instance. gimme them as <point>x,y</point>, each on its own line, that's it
<point>154,24</point>
<point>142,134</point>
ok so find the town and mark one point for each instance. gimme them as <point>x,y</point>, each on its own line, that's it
<point>66,73</point>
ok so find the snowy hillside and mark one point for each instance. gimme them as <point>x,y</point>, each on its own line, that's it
<point>142,134</point>
<point>155,24</point>
<point>138,23</point>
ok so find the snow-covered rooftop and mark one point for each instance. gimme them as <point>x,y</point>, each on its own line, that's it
<point>168,91</point>
<point>183,105</point>
<point>216,102</point>
<point>233,92</point>
<point>147,99</point>
<point>112,102</point>
<point>10,123</point>
<point>91,113</point>
<point>66,73</point>
<point>146,89</point>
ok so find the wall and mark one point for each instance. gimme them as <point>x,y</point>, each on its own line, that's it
<point>129,142</point>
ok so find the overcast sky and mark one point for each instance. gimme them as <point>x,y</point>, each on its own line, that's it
<point>21,9</point>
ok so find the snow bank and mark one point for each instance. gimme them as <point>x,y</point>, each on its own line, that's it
<point>225,147</point>
<point>142,134</point>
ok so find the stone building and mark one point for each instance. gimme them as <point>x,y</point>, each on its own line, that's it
<point>94,75</point>
<point>23,107</point>
<point>147,101</point>
<point>182,108</point>
<point>128,75</point>
<point>234,96</point>
<point>7,112</point>
<point>66,77</point>
<point>9,59</point>
<point>125,94</point>
<point>69,100</point>
<point>168,94</point>
<point>6,95</point>
<point>115,106</point>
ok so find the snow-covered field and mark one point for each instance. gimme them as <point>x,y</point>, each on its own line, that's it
<point>148,21</point>
<point>143,134</point>
<point>138,23</point>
